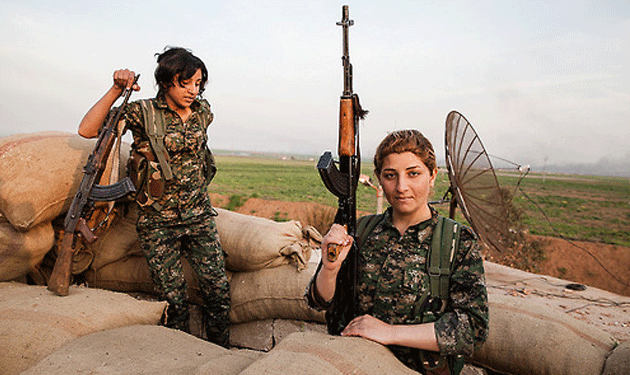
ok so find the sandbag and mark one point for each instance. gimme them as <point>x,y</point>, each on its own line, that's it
<point>21,251</point>
<point>272,293</point>
<point>618,362</point>
<point>253,243</point>
<point>264,334</point>
<point>233,363</point>
<point>317,353</point>
<point>530,338</point>
<point>268,293</point>
<point>34,322</point>
<point>140,349</point>
<point>40,173</point>
<point>119,241</point>
<point>130,274</point>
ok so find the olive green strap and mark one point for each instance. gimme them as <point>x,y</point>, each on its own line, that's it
<point>365,226</point>
<point>443,247</point>
<point>155,129</point>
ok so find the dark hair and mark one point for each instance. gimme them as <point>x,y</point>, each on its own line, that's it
<point>401,141</point>
<point>176,61</point>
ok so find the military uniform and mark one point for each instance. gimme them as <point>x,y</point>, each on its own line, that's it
<point>183,221</point>
<point>392,279</point>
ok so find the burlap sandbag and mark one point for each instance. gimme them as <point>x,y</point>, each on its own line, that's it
<point>40,173</point>
<point>253,243</point>
<point>268,293</point>
<point>35,322</point>
<point>21,251</point>
<point>530,339</point>
<point>132,274</point>
<point>140,349</point>
<point>618,362</point>
<point>317,353</point>
<point>272,293</point>
<point>264,334</point>
<point>233,363</point>
<point>119,241</point>
<point>129,274</point>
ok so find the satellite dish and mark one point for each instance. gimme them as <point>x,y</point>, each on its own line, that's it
<point>473,184</point>
<point>475,189</point>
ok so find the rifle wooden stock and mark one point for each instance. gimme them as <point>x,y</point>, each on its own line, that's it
<point>59,281</point>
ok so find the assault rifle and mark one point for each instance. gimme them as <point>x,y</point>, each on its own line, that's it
<point>342,181</point>
<point>82,205</point>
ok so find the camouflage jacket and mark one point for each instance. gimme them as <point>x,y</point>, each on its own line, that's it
<point>186,196</point>
<point>393,276</point>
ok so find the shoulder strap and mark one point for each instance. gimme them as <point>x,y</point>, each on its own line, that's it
<point>365,226</point>
<point>211,166</point>
<point>444,246</point>
<point>155,129</point>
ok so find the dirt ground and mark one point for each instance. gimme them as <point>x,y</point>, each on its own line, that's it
<point>595,264</point>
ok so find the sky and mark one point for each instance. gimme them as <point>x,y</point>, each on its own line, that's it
<point>544,83</point>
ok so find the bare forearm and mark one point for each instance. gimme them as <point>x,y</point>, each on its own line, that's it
<point>325,284</point>
<point>95,117</point>
<point>420,336</point>
<point>327,276</point>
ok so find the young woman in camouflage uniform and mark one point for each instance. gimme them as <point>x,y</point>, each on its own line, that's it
<point>182,220</point>
<point>392,272</point>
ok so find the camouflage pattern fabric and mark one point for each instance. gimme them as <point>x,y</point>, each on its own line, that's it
<point>164,247</point>
<point>186,195</point>
<point>393,286</point>
<point>184,226</point>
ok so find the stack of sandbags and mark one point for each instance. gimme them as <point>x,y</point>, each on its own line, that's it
<point>269,304</point>
<point>39,175</point>
<point>251,243</point>
<point>268,263</point>
<point>272,264</point>
<point>34,322</point>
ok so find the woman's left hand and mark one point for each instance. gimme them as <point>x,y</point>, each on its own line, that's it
<point>370,328</point>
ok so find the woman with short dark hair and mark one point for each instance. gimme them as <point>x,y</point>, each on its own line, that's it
<point>176,217</point>
<point>396,304</point>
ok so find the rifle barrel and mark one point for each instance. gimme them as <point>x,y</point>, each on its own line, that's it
<point>345,23</point>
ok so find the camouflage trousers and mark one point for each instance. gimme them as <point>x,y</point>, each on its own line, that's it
<point>199,242</point>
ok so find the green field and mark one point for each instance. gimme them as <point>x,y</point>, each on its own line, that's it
<point>586,208</point>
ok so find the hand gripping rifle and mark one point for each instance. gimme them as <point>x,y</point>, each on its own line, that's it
<point>342,181</point>
<point>82,205</point>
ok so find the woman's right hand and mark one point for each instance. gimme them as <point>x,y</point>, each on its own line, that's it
<point>123,80</point>
<point>95,117</point>
<point>327,275</point>
<point>336,236</point>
